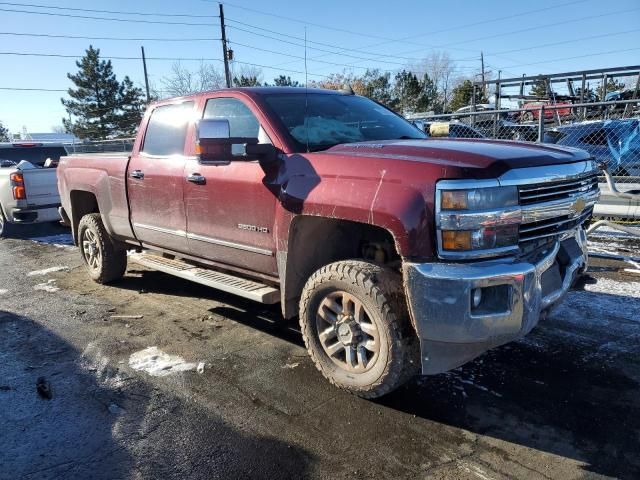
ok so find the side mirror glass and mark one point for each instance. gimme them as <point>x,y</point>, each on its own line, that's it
<point>215,145</point>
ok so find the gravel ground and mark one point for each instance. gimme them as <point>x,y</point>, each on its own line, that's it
<point>229,392</point>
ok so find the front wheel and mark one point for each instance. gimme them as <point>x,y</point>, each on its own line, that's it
<point>527,117</point>
<point>356,328</point>
<point>105,262</point>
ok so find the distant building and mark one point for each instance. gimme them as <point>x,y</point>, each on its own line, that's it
<point>53,137</point>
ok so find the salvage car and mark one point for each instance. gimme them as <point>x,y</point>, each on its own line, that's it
<point>615,143</point>
<point>28,184</point>
<point>398,253</point>
<point>531,111</point>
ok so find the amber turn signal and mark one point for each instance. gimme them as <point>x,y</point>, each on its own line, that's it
<point>17,178</point>
<point>454,200</point>
<point>456,240</point>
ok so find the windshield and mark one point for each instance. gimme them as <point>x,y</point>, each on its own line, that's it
<point>320,121</point>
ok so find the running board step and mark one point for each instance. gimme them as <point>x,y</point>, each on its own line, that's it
<point>242,287</point>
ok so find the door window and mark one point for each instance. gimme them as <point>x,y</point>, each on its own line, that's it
<point>167,129</point>
<point>242,122</point>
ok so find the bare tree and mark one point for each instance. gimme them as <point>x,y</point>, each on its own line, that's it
<point>246,76</point>
<point>442,70</point>
<point>182,81</point>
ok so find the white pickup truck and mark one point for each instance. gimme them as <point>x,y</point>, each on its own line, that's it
<point>28,184</point>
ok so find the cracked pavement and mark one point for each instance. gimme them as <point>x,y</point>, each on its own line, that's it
<point>562,403</point>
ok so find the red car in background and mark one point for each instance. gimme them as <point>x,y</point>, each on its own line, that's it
<point>532,110</point>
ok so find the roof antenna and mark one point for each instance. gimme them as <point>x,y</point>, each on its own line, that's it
<point>306,90</point>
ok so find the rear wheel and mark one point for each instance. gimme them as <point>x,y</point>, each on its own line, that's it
<point>6,228</point>
<point>105,262</point>
<point>356,328</point>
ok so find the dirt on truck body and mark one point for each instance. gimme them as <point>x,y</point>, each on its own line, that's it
<point>399,254</point>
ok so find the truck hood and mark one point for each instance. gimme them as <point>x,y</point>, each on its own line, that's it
<point>479,158</point>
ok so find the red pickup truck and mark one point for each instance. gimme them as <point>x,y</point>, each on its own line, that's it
<point>398,253</point>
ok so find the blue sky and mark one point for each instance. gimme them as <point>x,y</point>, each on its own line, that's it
<point>517,37</point>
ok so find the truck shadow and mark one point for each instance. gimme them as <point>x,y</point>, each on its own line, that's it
<point>553,391</point>
<point>102,423</point>
<point>545,392</point>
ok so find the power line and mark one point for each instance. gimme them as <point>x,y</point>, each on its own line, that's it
<point>491,20</point>
<point>302,57</point>
<point>311,47</point>
<point>327,27</point>
<point>110,19</point>
<point>253,47</point>
<point>313,42</point>
<point>591,54</point>
<point>548,25</point>
<point>79,37</point>
<point>60,55</point>
<point>390,40</point>
<point>33,5</point>
<point>32,89</point>
<point>174,59</point>
<point>553,44</point>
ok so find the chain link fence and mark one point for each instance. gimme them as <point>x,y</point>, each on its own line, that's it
<point>120,145</point>
<point>609,131</point>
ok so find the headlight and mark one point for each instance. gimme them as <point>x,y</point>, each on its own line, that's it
<point>477,222</point>
<point>479,198</point>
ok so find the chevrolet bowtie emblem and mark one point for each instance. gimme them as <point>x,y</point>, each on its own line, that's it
<point>578,206</point>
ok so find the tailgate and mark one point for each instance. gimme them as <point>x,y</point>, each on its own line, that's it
<point>41,185</point>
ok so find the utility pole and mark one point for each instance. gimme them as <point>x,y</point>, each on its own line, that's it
<point>146,77</point>
<point>484,88</point>
<point>225,52</point>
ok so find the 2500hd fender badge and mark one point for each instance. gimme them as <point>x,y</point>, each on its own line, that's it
<point>253,228</point>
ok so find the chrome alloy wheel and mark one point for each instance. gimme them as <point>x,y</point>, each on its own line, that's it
<point>91,249</point>
<point>347,334</point>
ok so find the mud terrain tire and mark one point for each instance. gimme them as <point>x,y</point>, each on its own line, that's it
<point>376,292</point>
<point>105,262</point>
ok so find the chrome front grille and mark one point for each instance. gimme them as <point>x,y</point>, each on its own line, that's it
<point>550,209</point>
<point>558,190</point>
<point>552,227</point>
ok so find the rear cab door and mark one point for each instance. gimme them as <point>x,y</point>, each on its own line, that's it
<point>155,176</point>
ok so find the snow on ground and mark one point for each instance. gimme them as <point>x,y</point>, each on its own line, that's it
<point>61,240</point>
<point>49,286</point>
<point>614,287</point>
<point>609,240</point>
<point>157,363</point>
<point>47,271</point>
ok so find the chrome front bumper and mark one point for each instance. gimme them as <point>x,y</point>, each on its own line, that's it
<point>514,293</point>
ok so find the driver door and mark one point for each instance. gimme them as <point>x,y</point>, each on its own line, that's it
<point>230,213</point>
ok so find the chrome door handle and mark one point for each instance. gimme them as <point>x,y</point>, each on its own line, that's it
<point>197,179</point>
<point>139,174</point>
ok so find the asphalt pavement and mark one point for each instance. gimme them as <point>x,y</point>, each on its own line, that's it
<point>229,392</point>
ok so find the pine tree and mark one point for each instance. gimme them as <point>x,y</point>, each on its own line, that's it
<point>94,102</point>
<point>377,86</point>
<point>407,91</point>
<point>285,81</point>
<point>614,85</point>
<point>462,95</point>
<point>4,133</point>
<point>132,104</point>
<point>539,88</point>
<point>246,81</point>
<point>428,99</point>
